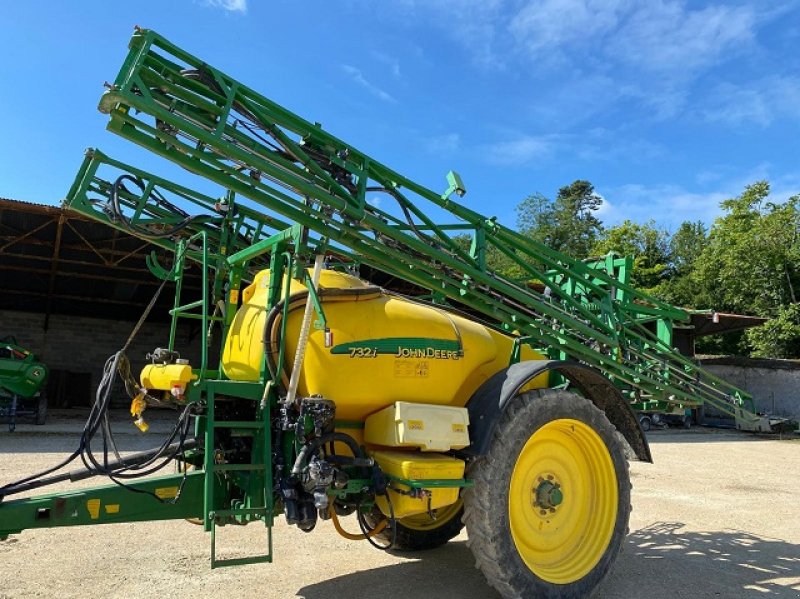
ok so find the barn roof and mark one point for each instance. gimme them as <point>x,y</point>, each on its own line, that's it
<point>56,261</point>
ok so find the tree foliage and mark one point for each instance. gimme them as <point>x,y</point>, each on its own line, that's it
<point>646,243</point>
<point>748,262</point>
<point>751,265</point>
<point>567,224</point>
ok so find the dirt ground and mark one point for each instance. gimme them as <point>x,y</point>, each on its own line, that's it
<point>717,515</point>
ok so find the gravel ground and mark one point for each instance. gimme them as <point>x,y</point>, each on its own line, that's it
<point>716,516</point>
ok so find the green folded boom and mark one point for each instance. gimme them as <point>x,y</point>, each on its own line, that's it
<point>283,168</point>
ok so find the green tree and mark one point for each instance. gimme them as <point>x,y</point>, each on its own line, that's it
<point>495,259</point>
<point>750,265</point>
<point>567,224</point>
<point>685,246</point>
<point>646,243</point>
<point>779,336</point>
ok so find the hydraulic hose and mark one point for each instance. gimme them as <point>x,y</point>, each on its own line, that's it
<point>313,445</point>
<point>351,536</point>
<point>272,322</point>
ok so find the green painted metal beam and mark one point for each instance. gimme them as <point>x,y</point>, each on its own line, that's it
<point>110,504</point>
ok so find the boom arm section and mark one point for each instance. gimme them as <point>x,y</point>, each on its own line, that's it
<point>281,166</point>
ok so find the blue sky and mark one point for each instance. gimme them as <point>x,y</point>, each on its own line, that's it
<point>667,106</point>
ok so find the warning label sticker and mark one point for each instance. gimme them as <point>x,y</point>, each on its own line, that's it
<point>411,369</point>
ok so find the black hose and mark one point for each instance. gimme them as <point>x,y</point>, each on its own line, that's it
<point>366,530</point>
<point>117,212</point>
<point>271,349</point>
<point>313,445</point>
<point>402,203</point>
<point>136,466</point>
<point>76,475</point>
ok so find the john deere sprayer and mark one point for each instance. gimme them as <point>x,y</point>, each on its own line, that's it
<point>461,398</point>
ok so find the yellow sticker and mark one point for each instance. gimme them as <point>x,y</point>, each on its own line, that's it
<point>233,297</point>
<point>166,492</point>
<point>416,425</point>
<point>112,508</point>
<point>459,428</point>
<point>93,505</point>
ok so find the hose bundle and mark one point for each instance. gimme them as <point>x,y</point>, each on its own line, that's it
<point>118,469</point>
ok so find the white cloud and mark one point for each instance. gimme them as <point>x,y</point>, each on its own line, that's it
<point>357,76</point>
<point>651,52</point>
<point>666,36</point>
<point>661,37</point>
<point>656,36</point>
<point>391,62</point>
<point>596,146</point>
<point>760,102</point>
<point>229,5</point>
<point>443,144</point>
<point>477,24</point>
<point>548,25</point>
<point>521,150</point>
<point>605,207</point>
<point>707,176</point>
<point>609,146</point>
<point>669,205</point>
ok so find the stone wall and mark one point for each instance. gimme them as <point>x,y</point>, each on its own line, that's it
<point>774,384</point>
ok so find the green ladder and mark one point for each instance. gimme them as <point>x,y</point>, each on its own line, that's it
<point>259,486</point>
<point>263,492</point>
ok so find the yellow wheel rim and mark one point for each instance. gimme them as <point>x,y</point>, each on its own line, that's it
<point>424,521</point>
<point>562,501</point>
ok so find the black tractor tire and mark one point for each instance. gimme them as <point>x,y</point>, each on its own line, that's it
<point>645,423</point>
<point>41,410</point>
<point>501,501</point>
<point>426,533</point>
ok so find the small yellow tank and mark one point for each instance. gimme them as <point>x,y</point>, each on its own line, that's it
<point>380,348</point>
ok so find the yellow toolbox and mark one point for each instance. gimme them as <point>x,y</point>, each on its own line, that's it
<point>418,467</point>
<point>429,427</point>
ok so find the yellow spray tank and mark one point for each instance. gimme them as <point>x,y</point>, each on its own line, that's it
<point>380,348</point>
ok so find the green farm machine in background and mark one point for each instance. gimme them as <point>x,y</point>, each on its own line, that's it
<point>22,379</point>
<point>500,403</point>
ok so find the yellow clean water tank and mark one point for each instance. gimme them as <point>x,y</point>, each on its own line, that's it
<point>417,467</point>
<point>412,424</point>
<point>380,349</point>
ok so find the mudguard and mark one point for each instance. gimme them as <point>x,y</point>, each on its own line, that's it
<point>488,402</point>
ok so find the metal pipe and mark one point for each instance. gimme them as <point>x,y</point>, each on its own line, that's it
<point>305,329</point>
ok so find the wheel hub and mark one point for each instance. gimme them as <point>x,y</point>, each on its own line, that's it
<point>546,494</point>
<point>549,494</point>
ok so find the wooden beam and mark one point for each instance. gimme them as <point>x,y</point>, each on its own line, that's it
<point>94,276</point>
<point>78,298</point>
<point>24,236</point>
<point>92,265</point>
